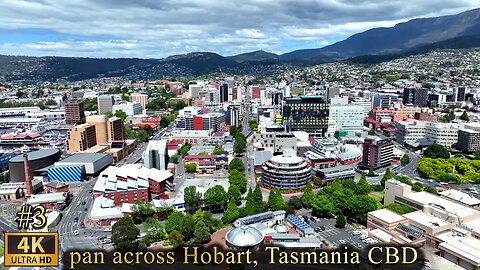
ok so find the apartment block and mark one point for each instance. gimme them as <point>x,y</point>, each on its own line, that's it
<point>74,111</point>
<point>80,138</point>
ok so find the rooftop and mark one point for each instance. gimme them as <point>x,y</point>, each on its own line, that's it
<point>387,215</point>
<point>83,158</point>
<point>35,155</point>
<point>467,248</point>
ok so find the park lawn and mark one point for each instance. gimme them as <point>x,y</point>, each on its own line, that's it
<point>1,252</point>
<point>378,196</point>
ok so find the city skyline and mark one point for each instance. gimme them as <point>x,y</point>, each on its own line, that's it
<point>148,29</point>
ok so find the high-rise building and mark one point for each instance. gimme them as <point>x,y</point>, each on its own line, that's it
<point>116,129</point>
<point>255,92</point>
<point>306,113</point>
<point>155,155</point>
<point>415,96</point>
<point>140,98</point>
<point>384,101</point>
<point>377,152</point>
<point>286,172</point>
<point>407,132</point>
<point>347,117</point>
<point>469,137</point>
<point>233,115</point>
<point>80,138</point>
<point>460,93</point>
<point>223,93</point>
<point>105,103</point>
<point>332,91</point>
<point>74,111</point>
<point>100,124</point>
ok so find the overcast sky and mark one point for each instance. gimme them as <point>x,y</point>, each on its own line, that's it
<point>159,28</point>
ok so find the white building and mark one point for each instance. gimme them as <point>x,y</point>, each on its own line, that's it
<point>445,134</point>
<point>130,108</point>
<point>155,155</point>
<point>347,117</point>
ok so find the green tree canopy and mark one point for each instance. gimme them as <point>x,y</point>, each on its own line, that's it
<point>430,189</point>
<point>417,186</point>
<point>295,203</point>
<point>201,233</point>
<point>175,238</point>
<point>371,172</point>
<point>255,204</point>
<point>218,149</point>
<point>308,196</point>
<point>238,179</point>
<point>236,164</point>
<point>405,159</point>
<point>464,116</point>
<point>363,186</point>
<point>437,151</point>
<point>232,213</point>
<point>175,157</point>
<point>125,234</point>
<point>187,226</point>
<point>399,208</point>
<point>234,194</point>
<point>143,210</point>
<point>191,197</point>
<point>340,222</point>
<point>216,195</point>
<point>191,167</point>
<point>121,114</point>
<point>173,222</point>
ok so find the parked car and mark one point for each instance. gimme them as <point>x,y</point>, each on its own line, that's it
<point>82,224</point>
<point>342,241</point>
<point>75,232</point>
<point>355,233</point>
<point>75,219</point>
<point>108,229</point>
<point>363,237</point>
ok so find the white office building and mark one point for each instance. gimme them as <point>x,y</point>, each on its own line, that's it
<point>347,117</point>
<point>155,155</point>
<point>445,134</point>
<point>130,108</point>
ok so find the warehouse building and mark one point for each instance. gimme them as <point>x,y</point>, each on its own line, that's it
<point>93,163</point>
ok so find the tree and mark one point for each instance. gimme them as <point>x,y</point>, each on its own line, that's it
<point>308,196</point>
<point>175,158</point>
<point>191,167</point>
<point>173,222</point>
<point>322,207</point>
<point>175,238</point>
<point>437,151</point>
<point>295,203</point>
<point>125,234</point>
<point>154,229</point>
<point>234,194</point>
<point>109,114</point>
<point>164,122</point>
<point>370,172</point>
<point>363,186</point>
<point>371,132</point>
<point>198,216</point>
<point>232,213</point>
<point>255,204</point>
<point>388,175</point>
<point>217,150</point>
<point>430,190</point>
<point>191,197</point>
<point>51,102</point>
<point>237,178</point>
<point>201,233</point>
<point>275,200</point>
<point>417,186</point>
<point>142,210</point>
<point>216,195</point>
<point>187,226</point>
<point>121,114</point>
<point>464,116</point>
<point>340,222</point>
<point>350,184</point>
<point>405,159</point>
<point>236,164</point>
<point>336,184</point>
<point>203,153</point>
<point>477,154</point>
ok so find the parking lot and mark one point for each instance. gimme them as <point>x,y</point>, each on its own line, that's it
<point>333,235</point>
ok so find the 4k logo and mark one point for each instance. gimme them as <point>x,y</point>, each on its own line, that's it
<point>31,249</point>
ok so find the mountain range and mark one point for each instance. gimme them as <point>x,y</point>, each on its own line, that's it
<point>416,36</point>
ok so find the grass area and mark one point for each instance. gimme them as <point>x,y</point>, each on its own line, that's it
<point>1,252</point>
<point>378,196</point>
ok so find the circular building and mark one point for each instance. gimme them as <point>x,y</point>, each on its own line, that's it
<point>36,160</point>
<point>286,172</point>
<point>244,237</point>
<point>281,228</point>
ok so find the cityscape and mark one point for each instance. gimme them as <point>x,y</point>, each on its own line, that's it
<point>306,154</point>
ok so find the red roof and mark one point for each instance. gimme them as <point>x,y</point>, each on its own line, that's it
<point>200,156</point>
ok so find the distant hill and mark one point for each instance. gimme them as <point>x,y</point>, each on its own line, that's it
<point>401,37</point>
<point>254,56</point>
<point>466,42</point>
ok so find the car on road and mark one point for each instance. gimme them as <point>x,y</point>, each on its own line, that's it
<point>321,228</point>
<point>82,224</point>
<point>78,203</point>
<point>355,233</point>
<point>75,219</point>
<point>76,232</point>
<point>316,230</point>
<point>342,241</point>
<point>90,191</point>
<point>86,209</point>
<point>108,229</point>
<point>83,203</point>
<point>363,237</point>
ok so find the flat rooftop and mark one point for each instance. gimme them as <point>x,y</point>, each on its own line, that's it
<point>467,248</point>
<point>387,215</point>
<point>426,220</point>
<point>83,158</point>
<point>425,198</point>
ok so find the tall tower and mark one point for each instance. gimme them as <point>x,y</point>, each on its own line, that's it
<point>28,176</point>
